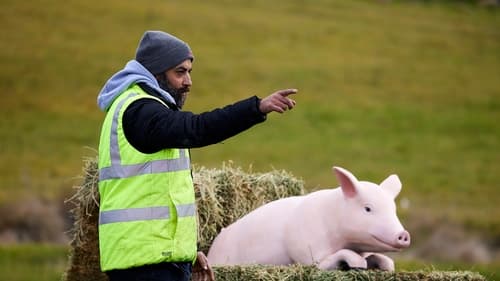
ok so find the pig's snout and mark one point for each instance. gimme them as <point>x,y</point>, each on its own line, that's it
<point>403,240</point>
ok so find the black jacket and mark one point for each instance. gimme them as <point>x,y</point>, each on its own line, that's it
<point>150,127</point>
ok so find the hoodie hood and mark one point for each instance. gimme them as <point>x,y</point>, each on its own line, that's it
<point>132,73</point>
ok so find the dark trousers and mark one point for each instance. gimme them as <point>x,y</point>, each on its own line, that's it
<point>157,272</point>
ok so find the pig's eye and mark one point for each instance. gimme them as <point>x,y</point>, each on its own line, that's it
<point>368,209</point>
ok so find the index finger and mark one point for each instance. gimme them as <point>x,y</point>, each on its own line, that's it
<point>287,92</point>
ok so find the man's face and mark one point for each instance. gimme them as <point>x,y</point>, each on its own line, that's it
<point>177,81</point>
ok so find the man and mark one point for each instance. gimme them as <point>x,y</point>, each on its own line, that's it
<point>147,220</point>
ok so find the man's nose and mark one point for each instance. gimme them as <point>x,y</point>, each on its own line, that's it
<point>187,80</point>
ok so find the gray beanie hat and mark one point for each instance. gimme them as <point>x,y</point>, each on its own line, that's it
<point>159,51</point>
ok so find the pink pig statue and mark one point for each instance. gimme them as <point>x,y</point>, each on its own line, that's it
<point>341,228</point>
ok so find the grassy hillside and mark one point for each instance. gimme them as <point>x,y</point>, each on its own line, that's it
<point>32,262</point>
<point>406,87</point>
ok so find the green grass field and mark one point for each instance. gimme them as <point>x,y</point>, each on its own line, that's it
<point>33,262</point>
<point>407,87</point>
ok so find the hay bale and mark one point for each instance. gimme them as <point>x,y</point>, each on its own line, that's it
<point>312,273</point>
<point>83,264</point>
<point>222,196</point>
<point>226,194</point>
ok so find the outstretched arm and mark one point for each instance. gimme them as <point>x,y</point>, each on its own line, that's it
<point>150,126</point>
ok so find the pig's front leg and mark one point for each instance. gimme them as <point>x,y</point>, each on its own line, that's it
<point>379,261</point>
<point>343,259</point>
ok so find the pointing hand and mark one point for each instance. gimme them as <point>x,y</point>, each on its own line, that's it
<point>278,101</point>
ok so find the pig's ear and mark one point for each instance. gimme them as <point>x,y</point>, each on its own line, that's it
<point>392,184</point>
<point>347,181</point>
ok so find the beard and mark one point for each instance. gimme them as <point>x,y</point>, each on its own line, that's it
<point>179,94</point>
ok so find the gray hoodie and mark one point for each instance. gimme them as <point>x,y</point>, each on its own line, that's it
<point>133,72</point>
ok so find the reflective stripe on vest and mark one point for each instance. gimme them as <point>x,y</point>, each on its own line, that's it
<point>151,213</point>
<point>118,171</point>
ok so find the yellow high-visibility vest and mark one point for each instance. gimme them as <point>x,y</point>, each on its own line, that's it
<point>147,202</point>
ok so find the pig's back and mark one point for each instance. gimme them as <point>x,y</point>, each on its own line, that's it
<point>257,237</point>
